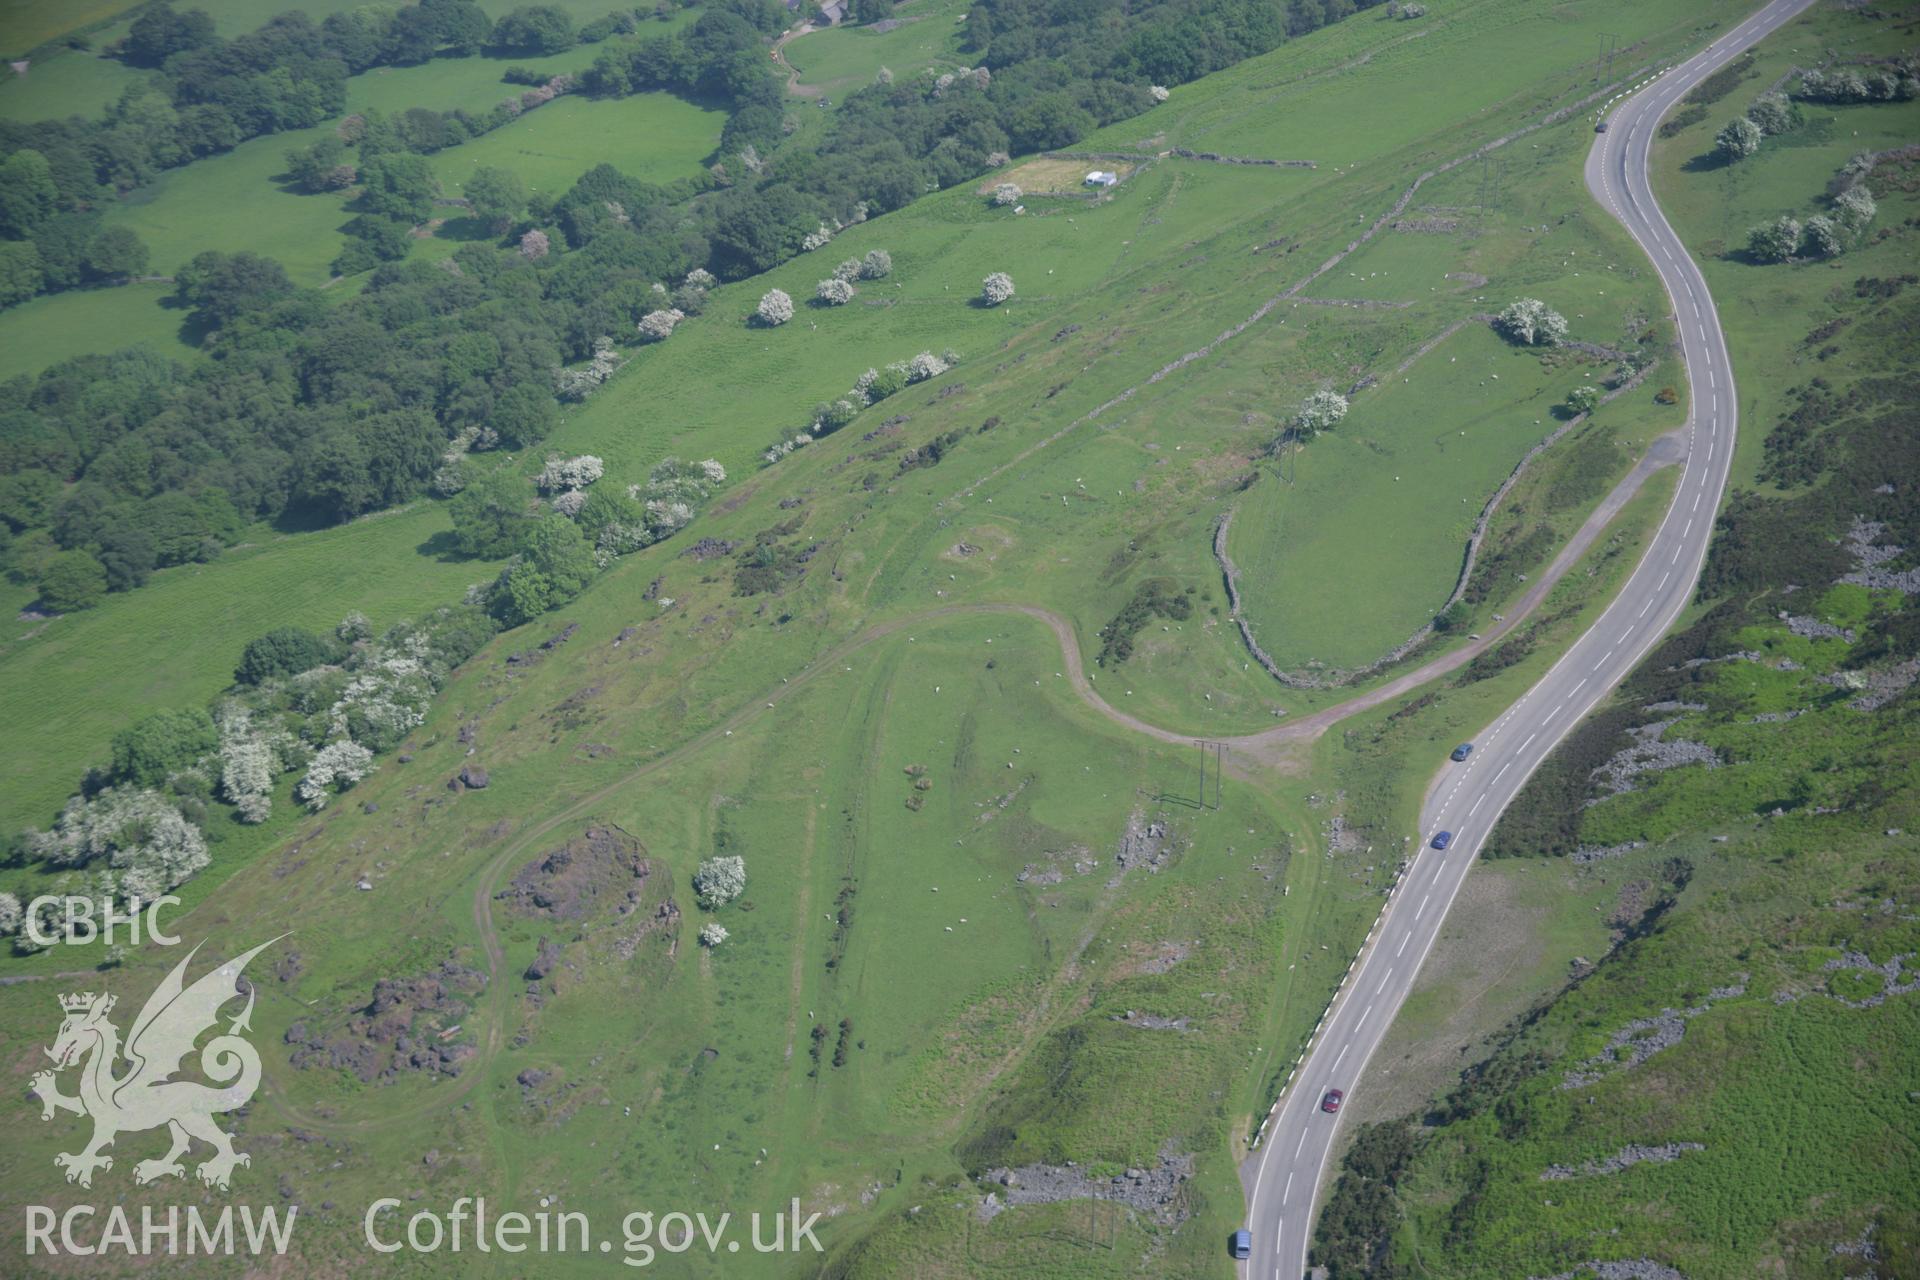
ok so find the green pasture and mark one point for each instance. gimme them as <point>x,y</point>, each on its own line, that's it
<point>231,202</point>
<point>65,82</point>
<point>237,200</point>
<point>655,137</point>
<point>31,23</point>
<point>56,327</point>
<point>1474,59</point>
<point>1351,543</point>
<point>838,60</point>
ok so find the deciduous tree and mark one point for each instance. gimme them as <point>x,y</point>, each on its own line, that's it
<point>776,307</point>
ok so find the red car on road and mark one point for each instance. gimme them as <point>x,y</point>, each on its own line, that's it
<point>1331,1102</point>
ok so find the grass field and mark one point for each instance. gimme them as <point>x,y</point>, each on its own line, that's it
<point>68,82</point>
<point>1363,547</point>
<point>31,23</point>
<point>230,202</point>
<point>233,200</point>
<point>838,60</point>
<point>45,330</point>
<point>654,137</point>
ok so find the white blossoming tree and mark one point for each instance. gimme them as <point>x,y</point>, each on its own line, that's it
<point>1532,323</point>
<point>1737,139</point>
<point>578,384</point>
<point>535,245</point>
<point>658,326</point>
<point>248,765</point>
<point>834,292</point>
<point>10,915</point>
<point>1821,238</point>
<point>1855,208</point>
<point>338,765</point>
<point>569,473</point>
<point>877,265</point>
<point>848,270</point>
<point>1006,193</point>
<point>776,308</point>
<point>668,516</point>
<point>1158,92</point>
<point>1318,412</point>
<point>1774,241</point>
<point>145,841</point>
<point>996,288</point>
<point>719,881</point>
<point>713,933</point>
<point>924,366</point>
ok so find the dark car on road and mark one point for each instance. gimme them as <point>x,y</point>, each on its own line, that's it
<point>1241,1245</point>
<point>1601,127</point>
<point>1462,751</point>
<point>1442,839</point>
<point>1331,1103</point>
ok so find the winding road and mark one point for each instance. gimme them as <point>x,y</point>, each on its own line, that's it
<point>1284,1173</point>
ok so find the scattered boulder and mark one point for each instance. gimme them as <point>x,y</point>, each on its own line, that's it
<point>602,866</point>
<point>1625,1158</point>
<point>546,958</point>
<point>1157,1193</point>
<point>409,1025</point>
<point>1144,843</point>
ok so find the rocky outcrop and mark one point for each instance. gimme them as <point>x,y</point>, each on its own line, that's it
<point>1157,1193</point>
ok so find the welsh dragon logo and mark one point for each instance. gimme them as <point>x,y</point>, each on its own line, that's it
<point>145,1096</point>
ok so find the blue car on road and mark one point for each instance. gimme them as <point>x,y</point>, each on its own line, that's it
<point>1242,1244</point>
<point>1462,751</point>
<point>1442,839</point>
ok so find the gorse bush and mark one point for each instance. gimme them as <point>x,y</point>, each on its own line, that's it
<point>1156,597</point>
